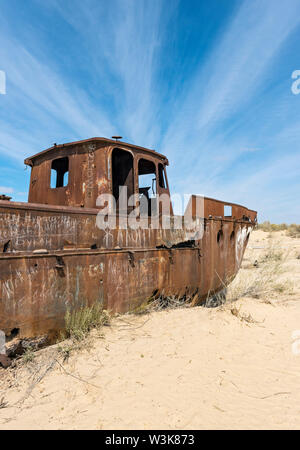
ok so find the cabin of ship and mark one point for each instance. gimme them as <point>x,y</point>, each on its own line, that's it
<point>76,173</point>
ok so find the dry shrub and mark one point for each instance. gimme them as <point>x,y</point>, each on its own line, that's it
<point>78,323</point>
<point>28,356</point>
<point>294,231</point>
<point>169,302</point>
<point>272,255</point>
<point>260,281</point>
<point>284,287</point>
<point>268,226</point>
<point>161,302</point>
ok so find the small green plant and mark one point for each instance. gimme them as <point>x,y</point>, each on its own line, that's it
<point>28,356</point>
<point>65,350</point>
<point>79,322</point>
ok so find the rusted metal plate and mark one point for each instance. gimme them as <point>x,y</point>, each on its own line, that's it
<point>35,293</point>
<point>54,258</point>
<point>26,227</point>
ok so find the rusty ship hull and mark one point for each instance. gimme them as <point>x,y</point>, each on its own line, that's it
<point>55,259</point>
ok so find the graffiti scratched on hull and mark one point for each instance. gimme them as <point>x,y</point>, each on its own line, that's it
<point>94,232</point>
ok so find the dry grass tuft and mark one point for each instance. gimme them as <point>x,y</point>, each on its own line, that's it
<point>284,287</point>
<point>162,302</point>
<point>80,322</point>
<point>272,255</point>
<point>169,302</point>
<point>78,325</point>
<point>28,356</point>
<point>259,280</point>
<point>242,316</point>
<point>294,231</point>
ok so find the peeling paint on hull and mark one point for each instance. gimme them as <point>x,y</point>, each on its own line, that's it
<point>54,258</point>
<point>35,293</point>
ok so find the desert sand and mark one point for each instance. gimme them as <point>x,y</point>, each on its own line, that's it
<point>234,366</point>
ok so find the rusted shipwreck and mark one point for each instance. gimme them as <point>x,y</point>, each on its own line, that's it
<point>55,258</point>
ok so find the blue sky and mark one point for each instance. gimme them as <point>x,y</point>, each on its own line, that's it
<point>208,83</point>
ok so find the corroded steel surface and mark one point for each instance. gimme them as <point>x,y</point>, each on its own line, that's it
<point>90,171</point>
<point>36,290</point>
<point>54,258</point>
<point>27,227</point>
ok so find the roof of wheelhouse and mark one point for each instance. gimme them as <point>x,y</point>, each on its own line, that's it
<point>29,161</point>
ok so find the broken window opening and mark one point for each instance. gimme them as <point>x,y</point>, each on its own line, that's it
<point>122,175</point>
<point>220,236</point>
<point>161,176</point>
<point>6,246</point>
<point>59,172</point>
<point>227,210</point>
<point>147,187</point>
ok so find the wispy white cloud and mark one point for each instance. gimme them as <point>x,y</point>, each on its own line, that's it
<point>39,86</point>
<point>123,41</point>
<point>235,69</point>
<point>213,128</point>
<point>126,41</point>
<point>6,190</point>
<point>221,117</point>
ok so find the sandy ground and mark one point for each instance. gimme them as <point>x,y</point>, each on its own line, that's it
<point>234,366</point>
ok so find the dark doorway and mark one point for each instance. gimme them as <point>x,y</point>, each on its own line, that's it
<point>122,175</point>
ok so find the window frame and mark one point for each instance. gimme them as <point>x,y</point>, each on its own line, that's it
<point>59,172</point>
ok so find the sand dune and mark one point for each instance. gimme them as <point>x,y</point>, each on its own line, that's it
<point>234,366</point>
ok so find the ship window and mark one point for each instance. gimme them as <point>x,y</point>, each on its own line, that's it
<point>161,176</point>
<point>147,178</point>
<point>59,172</point>
<point>227,210</point>
<point>147,187</point>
